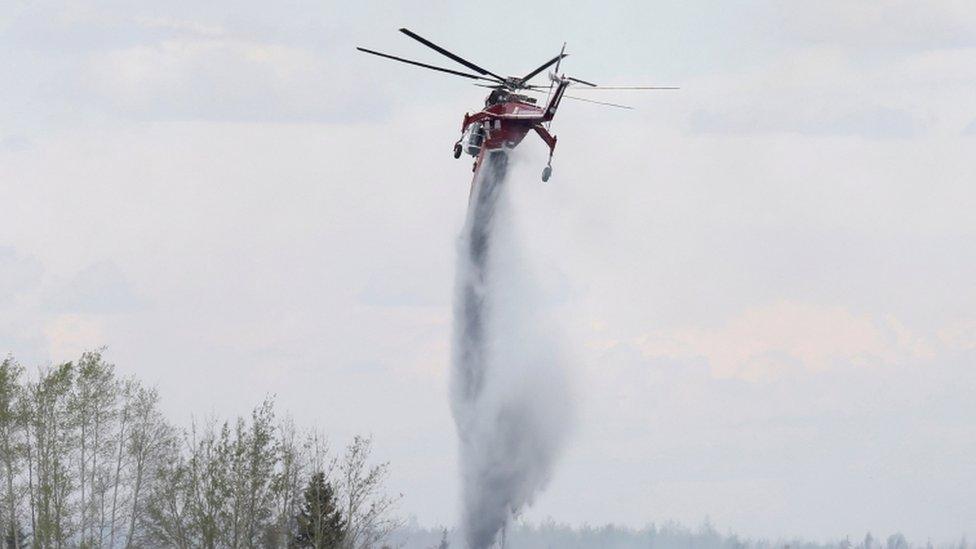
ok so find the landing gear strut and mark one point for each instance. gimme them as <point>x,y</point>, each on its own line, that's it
<point>546,172</point>
<point>551,142</point>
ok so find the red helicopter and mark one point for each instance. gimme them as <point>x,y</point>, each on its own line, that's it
<point>508,115</point>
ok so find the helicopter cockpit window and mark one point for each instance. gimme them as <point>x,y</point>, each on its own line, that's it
<point>496,96</point>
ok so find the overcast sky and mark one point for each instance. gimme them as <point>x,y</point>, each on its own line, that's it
<point>765,279</point>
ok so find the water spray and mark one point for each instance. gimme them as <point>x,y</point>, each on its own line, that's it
<point>509,397</point>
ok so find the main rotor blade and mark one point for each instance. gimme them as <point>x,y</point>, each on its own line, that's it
<point>556,70</point>
<point>583,99</point>
<point>631,88</point>
<point>549,63</point>
<point>442,51</point>
<point>598,102</point>
<point>425,65</point>
<point>590,84</point>
<point>535,87</point>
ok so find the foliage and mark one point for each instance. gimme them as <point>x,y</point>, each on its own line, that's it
<point>319,522</point>
<point>368,511</point>
<point>88,460</point>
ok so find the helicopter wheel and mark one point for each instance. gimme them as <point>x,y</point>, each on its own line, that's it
<point>546,172</point>
<point>457,150</point>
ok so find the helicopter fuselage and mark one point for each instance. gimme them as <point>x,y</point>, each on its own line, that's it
<point>504,123</point>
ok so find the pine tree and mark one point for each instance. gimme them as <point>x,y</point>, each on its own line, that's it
<point>320,523</point>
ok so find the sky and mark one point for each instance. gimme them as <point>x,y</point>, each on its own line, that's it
<point>764,280</point>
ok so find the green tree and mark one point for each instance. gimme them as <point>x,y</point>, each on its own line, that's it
<point>51,445</point>
<point>11,447</point>
<point>14,537</point>
<point>152,446</point>
<point>251,456</point>
<point>369,512</point>
<point>320,523</point>
<point>94,403</point>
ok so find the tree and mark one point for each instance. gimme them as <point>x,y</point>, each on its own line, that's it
<point>150,446</point>
<point>287,487</point>
<point>897,541</point>
<point>51,444</point>
<point>11,449</point>
<point>94,405</point>
<point>222,493</point>
<point>368,511</point>
<point>252,456</point>
<point>87,460</point>
<point>167,521</point>
<point>14,537</point>
<point>319,522</point>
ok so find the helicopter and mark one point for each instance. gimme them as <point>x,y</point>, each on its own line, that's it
<point>508,115</point>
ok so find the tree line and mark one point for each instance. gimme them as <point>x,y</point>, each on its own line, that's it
<point>548,534</point>
<point>88,460</point>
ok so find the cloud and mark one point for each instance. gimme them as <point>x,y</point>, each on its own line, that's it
<point>18,273</point>
<point>822,437</point>
<point>959,335</point>
<point>70,335</point>
<point>838,90</point>
<point>15,143</point>
<point>762,342</point>
<point>20,323</point>
<point>887,24</point>
<point>85,62</point>
<point>212,77</point>
<point>823,91</point>
<point>181,26</point>
<point>100,288</point>
<point>871,122</point>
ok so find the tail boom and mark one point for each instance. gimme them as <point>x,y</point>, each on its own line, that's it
<point>557,96</point>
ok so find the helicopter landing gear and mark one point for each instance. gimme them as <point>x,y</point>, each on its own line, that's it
<point>457,150</point>
<point>546,172</point>
<point>551,142</point>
